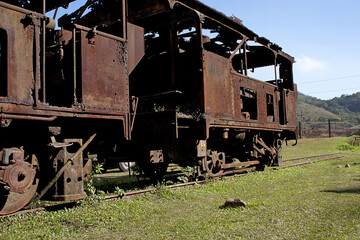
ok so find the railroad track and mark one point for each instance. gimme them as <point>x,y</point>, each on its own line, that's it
<point>310,159</point>
<point>304,160</point>
<point>108,197</point>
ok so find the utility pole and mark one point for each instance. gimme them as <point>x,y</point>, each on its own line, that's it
<point>300,124</point>
<point>329,122</point>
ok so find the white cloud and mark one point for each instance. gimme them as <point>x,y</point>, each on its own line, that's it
<point>307,64</point>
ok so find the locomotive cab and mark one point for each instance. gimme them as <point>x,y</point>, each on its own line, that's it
<point>197,92</point>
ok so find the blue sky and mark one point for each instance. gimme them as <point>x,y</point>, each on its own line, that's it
<point>322,35</point>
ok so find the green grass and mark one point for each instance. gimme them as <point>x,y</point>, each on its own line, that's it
<point>312,146</point>
<point>318,201</point>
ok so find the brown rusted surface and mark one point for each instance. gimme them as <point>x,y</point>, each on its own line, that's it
<point>20,68</point>
<point>70,173</point>
<point>38,5</point>
<point>225,104</point>
<point>208,59</point>
<point>104,74</point>
<point>53,77</point>
<point>217,86</point>
<point>70,185</point>
<point>156,156</point>
<point>136,45</point>
<point>139,9</point>
<point>19,176</point>
<point>101,91</point>
<point>222,85</point>
<point>17,181</point>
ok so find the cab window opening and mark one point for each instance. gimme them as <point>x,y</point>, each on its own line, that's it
<point>248,101</point>
<point>270,108</point>
<point>259,62</point>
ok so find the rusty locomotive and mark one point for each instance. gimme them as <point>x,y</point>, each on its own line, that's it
<point>156,81</point>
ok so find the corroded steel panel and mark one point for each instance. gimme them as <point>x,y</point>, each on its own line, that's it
<point>262,89</point>
<point>104,73</point>
<point>136,45</point>
<point>217,85</point>
<point>142,8</point>
<point>224,105</point>
<point>38,5</point>
<point>70,184</point>
<point>291,106</point>
<point>20,41</point>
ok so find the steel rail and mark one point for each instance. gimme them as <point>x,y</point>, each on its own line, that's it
<point>314,156</point>
<point>182,185</point>
<point>308,162</point>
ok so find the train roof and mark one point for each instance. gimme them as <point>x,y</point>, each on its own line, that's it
<point>231,22</point>
<point>37,6</point>
<point>52,4</point>
<point>140,10</point>
<point>234,23</point>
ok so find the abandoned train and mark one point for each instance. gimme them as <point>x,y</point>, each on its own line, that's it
<point>156,81</point>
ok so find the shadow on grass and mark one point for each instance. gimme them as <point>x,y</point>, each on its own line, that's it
<point>62,206</point>
<point>357,179</point>
<point>351,190</point>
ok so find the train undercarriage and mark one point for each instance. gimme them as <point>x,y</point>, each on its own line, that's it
<point>49,163</point>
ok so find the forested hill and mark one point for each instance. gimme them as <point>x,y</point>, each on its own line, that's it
<point>345,109</point>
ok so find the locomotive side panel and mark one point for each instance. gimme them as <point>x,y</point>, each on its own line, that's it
<point>255,100</point>
<point>291,106</point>
<point>18,39</point>
<point>235,99</point>
<point>104,74</point>
<point>218,87</point>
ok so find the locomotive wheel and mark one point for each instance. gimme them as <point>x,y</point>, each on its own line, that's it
<point>124,166</point>
<point>23,178</point>
<point>213,162</point>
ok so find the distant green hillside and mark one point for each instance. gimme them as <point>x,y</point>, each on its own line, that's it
<point>315,112</point>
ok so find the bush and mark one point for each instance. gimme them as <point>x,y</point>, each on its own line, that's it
<point>346,147</point>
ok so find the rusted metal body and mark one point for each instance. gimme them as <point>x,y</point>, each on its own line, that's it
<point>18,179</point>
<point>195,84</point>
<point>38,6</point>
<point>70,184</point>
<point>91,93</point>
<point>159,81</point>
<point>67,83</point>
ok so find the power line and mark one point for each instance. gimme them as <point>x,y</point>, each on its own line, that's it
<point>338,90</point>
<point>329,79</point>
